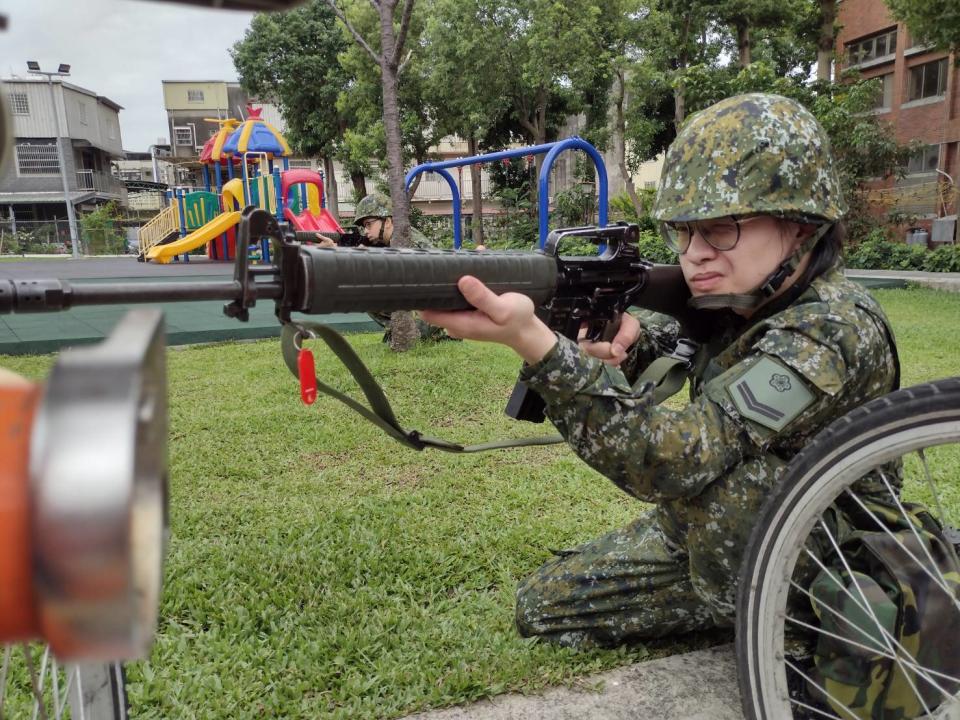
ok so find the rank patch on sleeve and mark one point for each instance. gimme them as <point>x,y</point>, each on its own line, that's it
<point>770,393</point>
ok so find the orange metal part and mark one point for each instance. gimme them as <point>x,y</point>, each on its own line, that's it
<point>18,403</point>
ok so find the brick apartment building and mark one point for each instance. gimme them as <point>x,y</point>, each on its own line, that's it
<point>920,98</point>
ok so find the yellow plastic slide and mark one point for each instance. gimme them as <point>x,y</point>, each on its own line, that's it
<point>219,225</point>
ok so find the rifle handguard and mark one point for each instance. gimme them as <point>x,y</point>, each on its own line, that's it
<point>389,279</point>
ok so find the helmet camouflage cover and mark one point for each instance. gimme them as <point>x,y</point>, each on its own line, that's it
<point>373,205</point>
<point>750,154</point>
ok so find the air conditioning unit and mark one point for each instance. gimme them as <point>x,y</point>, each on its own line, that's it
<point>944,230</point>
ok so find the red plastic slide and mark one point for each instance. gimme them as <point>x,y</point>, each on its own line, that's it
<point>306,220</point>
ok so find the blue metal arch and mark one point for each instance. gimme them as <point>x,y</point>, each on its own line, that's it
<point>551,150</point>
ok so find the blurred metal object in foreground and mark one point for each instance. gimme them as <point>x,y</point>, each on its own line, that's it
<point>248,5</point>
<point>84,572</point>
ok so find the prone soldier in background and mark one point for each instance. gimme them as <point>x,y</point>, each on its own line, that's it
<point>374,216</point>
<point>751,201</point>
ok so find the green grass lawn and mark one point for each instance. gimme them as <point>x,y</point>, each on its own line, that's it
<point>318,569</point>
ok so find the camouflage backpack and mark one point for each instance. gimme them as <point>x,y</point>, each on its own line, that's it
<point>861,678</point>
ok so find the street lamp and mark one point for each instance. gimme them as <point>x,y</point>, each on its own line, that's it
<point>33,67</point>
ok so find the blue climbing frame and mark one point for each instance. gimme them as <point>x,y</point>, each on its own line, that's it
<point>551,150</point>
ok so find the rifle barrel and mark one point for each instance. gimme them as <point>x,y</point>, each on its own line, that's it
<point>52,295</point>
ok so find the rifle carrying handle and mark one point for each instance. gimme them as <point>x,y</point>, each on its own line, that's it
<point>389,279</point>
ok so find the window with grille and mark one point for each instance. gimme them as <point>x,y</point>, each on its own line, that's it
<point>19,104</point>
<point>183,136</point>
<point>195,96</point>
<point>37,159</point>
<point>300,163</point>
<point>928,80</point>
<point>82,112</point>
<point>924,162</point>
<point>873,48</point>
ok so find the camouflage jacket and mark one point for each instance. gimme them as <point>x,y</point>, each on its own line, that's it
<point>760,390</point>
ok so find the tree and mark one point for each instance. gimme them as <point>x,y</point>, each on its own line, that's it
<point>827,38</point>
<point>466,103</point>
<point>363,100</point>
<point>549,51</point>
<point>291,58</point>
<point>936,22</point>
<point>387,51</point>
<point>745,17</point>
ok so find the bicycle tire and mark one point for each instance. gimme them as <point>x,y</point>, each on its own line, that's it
<point>903,422</point>
<point>94,691</point>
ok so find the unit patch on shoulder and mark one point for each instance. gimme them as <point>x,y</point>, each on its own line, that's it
<point>770,393</point>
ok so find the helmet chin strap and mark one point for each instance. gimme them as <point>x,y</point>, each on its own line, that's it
<point>767,289</point>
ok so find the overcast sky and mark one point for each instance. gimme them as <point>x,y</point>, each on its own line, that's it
<point>122,49</point>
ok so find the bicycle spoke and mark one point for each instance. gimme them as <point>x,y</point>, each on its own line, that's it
<point>817,685</point>
<point>869,610</point>
<point>939,580</point>
<point>811,708</point>
<point>933,490</point>
<point>922,669</point>
<point>38,710</point>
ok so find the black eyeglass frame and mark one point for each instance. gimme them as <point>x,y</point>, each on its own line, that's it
<point>667,227</point>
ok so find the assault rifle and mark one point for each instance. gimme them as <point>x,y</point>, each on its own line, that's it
<point>351,237</point>
<point>570,291</point>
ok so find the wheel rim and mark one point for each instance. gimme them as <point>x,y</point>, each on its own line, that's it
<point>935,438</point>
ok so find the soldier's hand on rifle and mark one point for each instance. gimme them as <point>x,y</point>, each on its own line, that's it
<point>325,242</point>
<point>615,351</point>
<point>507,319</point>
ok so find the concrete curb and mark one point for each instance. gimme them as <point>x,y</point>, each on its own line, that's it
<point>700,685</point>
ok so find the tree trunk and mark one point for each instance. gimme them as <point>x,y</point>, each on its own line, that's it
<point>359,184</point>
<point>743,43</point>
<point>333,196</point>
<point>620,142</point>
<point>403,329</point>
<point>476,222</point>
<point>825,43</point>
<point>679,99</point>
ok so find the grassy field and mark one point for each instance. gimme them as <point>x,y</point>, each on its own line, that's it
<point>318,569</point>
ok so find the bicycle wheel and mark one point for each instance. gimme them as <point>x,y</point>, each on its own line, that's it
<point>911,435</point>
<point>34,685</point>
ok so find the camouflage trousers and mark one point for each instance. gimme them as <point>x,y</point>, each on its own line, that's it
<point>630,584</point>
<point>427,331</point>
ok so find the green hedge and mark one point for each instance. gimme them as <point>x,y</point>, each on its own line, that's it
<point>877,254</point>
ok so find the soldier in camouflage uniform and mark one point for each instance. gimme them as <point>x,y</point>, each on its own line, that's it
<point>751,201</point>
<point>374,215</point>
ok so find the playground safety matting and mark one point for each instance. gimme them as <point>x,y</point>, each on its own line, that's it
<point>186,322</point>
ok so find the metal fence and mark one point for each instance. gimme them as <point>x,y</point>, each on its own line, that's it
<point>52,237</point>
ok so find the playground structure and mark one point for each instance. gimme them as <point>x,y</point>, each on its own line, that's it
<point>551,150</point>
<point>247,151</point>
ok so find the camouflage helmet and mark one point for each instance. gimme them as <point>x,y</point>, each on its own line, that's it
<point>754,154</point>
<point>375,205</point>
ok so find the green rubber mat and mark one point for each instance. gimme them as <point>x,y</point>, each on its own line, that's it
<point>186,323</point>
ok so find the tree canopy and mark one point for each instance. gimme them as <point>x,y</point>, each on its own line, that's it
<point>936,22</point>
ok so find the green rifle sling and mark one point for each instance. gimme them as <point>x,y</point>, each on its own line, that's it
<point>667,374</point>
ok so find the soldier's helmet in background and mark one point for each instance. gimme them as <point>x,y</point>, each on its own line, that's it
<point>753,154</point>
<point>374,205</point>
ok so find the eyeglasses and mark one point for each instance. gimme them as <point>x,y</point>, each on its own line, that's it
<point>720,234</point>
